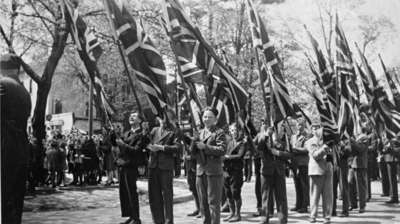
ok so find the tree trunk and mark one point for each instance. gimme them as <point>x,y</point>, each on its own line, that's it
<point>44,85</point>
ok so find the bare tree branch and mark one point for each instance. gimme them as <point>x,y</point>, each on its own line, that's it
<point>36,15</point>
<point>41,19</point>
<point>46,7</point>
<point>26,49</point>
<point>25,66</point>
<point>99,12</point>
<point>34,40</point>
<point>30,71</point>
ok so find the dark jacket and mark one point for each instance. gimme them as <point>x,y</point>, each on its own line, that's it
<point>133,153</point>
<point>163,159</point>
<point>235,150</point>
<point>15,109</point>
<point>271,160</point>
<point>360,148</point>
<point>214,151</point>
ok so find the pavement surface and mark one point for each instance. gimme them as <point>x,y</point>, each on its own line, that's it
<point>100,205</point>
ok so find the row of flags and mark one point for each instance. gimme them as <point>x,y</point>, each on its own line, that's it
<point>337,95</point>
<point>337,98</point>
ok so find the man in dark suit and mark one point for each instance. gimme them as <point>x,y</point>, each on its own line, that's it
<point>210,143</point>
<point>273,156</point>
<point>190,166</point>
<point>161,168</point>
<point>131,160</point>
<point>15,109</point>
<point>358,170</point>
<point>300,169</point>
<point>390,153</point>
<point>341,154</point>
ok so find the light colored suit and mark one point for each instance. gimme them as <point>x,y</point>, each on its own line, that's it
<point>321,178</point>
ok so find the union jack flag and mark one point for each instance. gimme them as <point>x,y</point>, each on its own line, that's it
<point>369,92</point>
<point>190,51</point>
<point>330,131</point>
<point>392,84</point>
<point>385,113</point>
<point>326,76</point>
<point>203,59</point>
<point>348,113</point>
<point>144,58</point>
<point>282,106</point>
<point>89,50</point>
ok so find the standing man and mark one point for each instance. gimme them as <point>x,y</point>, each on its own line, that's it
<point>300,171</point>
<point>163,147</point>
<point>341,154</point>
<point>391,151</point>
<point>190,166</point>
<point>321,175</point>
<point>233,172</point>
<point>15,109</point>
<point>257,167</point>
<point>358,170</point>
<point>273,168</point>
<point>131,160</point>
<point>211,141</point>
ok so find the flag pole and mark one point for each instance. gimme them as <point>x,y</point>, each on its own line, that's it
<point>185,87</point>
<point>193,124</point>
<point>91,109</point>
<point>262,85</point>
<point>121,52</point>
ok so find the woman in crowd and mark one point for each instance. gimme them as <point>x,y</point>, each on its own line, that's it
<point>109,160</point>
<point>209,148</point>
<point>233,172</point>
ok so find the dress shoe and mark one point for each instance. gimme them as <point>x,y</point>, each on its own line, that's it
<point>313,220</point>
<point>225,208</point>
<point>135,222</point>
<point>229,217</point>
<point>326,221</point>
<point>392,201</point>
<point>302,210</point>
<point>195,213</point>
<point>199,216</point>
<point>351,208</point>
<point>344,214</point>
<point>334,213</point>
<point>384,195</point>
<point>235,218</point>
<point>294,209</point>
<point>127,221</point>
<point>362,210</point>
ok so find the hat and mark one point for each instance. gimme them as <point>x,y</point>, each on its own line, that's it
<point>9,62</point>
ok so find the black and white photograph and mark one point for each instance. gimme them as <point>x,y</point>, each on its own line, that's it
<point>199,111</point>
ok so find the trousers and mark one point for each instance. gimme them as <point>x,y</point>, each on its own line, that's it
<point>358,186</point>
<point>128,195</point>
<point>274,184</point>
<point>209,189</point>
<point>321,185</point>
<point>161,195</point>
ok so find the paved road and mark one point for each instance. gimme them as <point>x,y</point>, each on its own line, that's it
<point>101,206</point>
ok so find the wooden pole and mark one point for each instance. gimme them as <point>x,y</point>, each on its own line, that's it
<point>193,124</point>
<point>262,87</point>
<point>121,52</point>
<point>90,120</point>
